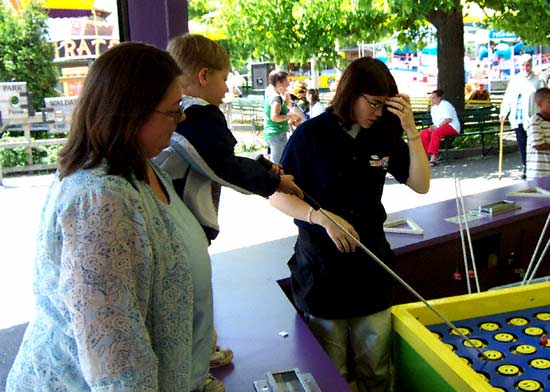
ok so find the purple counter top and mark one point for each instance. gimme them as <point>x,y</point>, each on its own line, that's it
<point>432,217</point>
<point>250,311</point>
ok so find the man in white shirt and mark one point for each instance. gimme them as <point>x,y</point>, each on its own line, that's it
<point>519,102</point>
<point>444,123</point>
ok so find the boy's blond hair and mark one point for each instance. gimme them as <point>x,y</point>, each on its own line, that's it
<point>193,52</point>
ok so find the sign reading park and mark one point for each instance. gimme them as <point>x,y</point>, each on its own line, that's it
<point>14,100</point>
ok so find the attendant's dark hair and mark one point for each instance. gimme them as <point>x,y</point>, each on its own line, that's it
<point>365,75</point>
<point>277,76</point>
<point>314,94</point>
<point>123,87</point>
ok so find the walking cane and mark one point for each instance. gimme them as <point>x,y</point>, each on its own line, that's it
<point>500,149</point>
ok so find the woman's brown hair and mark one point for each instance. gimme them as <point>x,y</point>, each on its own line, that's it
<point>277,76</point>
<point>365,75</point>
<point>123,87</point>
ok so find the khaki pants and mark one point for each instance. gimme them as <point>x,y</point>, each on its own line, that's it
<point>363,343</point>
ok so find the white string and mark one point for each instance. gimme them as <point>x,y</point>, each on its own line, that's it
<point>526,277</point>
<point>538,263</point>
<point>472,256</point>
<point>405,284</point>
<point>459,217</point>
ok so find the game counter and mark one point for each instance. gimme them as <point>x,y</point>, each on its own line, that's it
<point>426,363</point>
<point>432,217</point>
<point>255,318</point>
<point>503,244</point>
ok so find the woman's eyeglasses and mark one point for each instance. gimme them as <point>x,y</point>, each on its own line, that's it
<point>178,115</point>
<point>373,105</point>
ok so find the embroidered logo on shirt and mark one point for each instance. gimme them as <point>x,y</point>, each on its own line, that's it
<point>376,161</point>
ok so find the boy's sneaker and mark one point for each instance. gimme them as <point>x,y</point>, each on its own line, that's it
<point>220,357</point>
<point>211,384</point>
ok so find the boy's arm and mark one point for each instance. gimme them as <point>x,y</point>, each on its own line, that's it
<point>206,129</point>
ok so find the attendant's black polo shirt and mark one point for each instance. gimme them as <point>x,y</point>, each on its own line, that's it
<point>346,176</point>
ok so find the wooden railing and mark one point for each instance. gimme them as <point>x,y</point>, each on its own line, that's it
<point>28,144</point>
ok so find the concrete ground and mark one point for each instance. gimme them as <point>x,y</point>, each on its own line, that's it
<point>244,221</point>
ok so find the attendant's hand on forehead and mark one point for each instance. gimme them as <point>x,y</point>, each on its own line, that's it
<point>398,103</point>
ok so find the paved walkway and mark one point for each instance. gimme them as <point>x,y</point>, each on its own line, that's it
<point>244,220</point>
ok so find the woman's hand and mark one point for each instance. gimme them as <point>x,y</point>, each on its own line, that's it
<point>287,185</point>
<point>342,241</point>
<point>400,105</point>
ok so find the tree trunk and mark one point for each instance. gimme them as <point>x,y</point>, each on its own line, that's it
<point>450,53</point>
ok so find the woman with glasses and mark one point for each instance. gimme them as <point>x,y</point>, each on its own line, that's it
<point>340,158</point>
<point>119,256</point>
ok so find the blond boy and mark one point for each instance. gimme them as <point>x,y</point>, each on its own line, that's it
<point>201,158</point>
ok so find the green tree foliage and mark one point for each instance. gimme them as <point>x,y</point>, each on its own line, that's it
<point>293,31</point>
<point>289,31</point>
<point>25,54</point>
<point>527,19</point>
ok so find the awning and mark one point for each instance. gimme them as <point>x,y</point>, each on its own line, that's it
<point>65,4</point>
<point>64,8</point>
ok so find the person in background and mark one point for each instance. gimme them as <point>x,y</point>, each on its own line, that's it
<point>444,123</point>
<point>480,94</point>
<point>118,254</point>
<point>340,159</point>
<point>278,113</point>
<point>299,105</point>
<point>519,103</point>
<point>201,155</point>
<point>315,106</point>
<point>299,96</point>
<point>538,137</point>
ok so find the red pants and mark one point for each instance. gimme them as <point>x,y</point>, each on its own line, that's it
<point>432,139</point>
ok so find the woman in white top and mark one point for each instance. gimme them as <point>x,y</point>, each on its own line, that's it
<point>315,106</point>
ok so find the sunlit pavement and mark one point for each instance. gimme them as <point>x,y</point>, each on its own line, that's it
<point>244,220</point>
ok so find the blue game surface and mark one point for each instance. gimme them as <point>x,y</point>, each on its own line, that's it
<point>512,356</point>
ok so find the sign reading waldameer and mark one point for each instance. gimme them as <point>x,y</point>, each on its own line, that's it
<point>59,111</point>
<point>82,48</point>
<point>14,100</point>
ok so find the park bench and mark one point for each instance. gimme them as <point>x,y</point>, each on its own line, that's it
<point>478,121</point>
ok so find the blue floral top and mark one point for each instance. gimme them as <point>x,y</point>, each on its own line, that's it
<point>114,290</point>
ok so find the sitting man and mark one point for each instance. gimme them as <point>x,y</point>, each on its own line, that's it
<point>444,123</point>
<point>480,94</point>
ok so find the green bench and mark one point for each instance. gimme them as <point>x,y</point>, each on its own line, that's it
<point>479,121</point>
